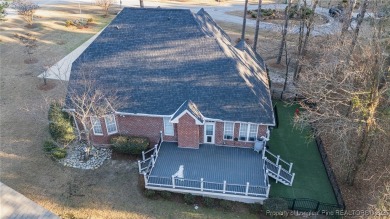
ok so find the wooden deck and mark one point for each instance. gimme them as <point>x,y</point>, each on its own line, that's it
<point>216,171</point>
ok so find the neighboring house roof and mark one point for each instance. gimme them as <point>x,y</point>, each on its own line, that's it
<point>155,59</point>
<point>188,107</point>
<point>15,205</point>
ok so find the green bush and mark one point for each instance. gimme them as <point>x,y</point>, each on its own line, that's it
<point>60,125</point>
<point>267,12</point>
<point>295,12</point>
<point>208,202</point>
<point>90,20</point>
<point>58,153</point>
<point>275,206</point>
<point>149,193</point>
<point>226,205</point>
<point>129,145</point>
<point>255,208</point>
<point>69,23</point>
<point>189,199</point>
<point>49,145</point>
<point>3,6</point>
<point>166,195</point>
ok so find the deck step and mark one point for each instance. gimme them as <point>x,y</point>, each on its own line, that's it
<point>284,176</point>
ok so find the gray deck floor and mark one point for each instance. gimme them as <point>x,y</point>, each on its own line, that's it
<point>212,163</point>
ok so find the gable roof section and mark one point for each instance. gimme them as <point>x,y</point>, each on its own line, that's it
<point>188,107</point>
<point>156,59</point>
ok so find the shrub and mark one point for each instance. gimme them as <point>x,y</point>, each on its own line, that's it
<point>267,12</point>
<point>149,193</point>
<point>129,145</point>
<point>58,153</point>
<point>275,206</point>
<point>226,205</point>
<point>166,194</point>
<point>90,20</point>
<point>208,202</point>
<point>189,199</point>
<point>3,6</point>
<point>255,208</point>
<point>60,126</point>
<point>295,12</point>
<point>49,145</point>
<point>69,23</point>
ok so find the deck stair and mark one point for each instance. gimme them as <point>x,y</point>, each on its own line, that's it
<point>278,169</point>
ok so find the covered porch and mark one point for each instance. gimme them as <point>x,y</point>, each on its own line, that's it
<point>216,171</point>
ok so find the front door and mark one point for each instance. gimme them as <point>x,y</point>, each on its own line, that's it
<point>209,133</point>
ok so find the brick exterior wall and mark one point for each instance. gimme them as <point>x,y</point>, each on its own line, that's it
<point>188,132</point>
<point>146,126</point>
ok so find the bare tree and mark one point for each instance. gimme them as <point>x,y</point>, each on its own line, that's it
<point>306,25</point>
<point>347,101</point>
<point>89,103</point>
<point>105,5</point>
<point>288,60</point>
<point>360,18</point>
<point>257,25</point>
<point>25,8</point>
<point>244,20</point>
<point>347,18</point>
<point>284,32</point>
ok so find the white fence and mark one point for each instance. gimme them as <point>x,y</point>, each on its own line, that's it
<point>205,186</point>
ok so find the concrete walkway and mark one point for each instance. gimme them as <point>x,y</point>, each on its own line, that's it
<point>15,205</point>
<point>61,70</point>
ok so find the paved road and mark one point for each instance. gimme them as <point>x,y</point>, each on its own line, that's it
<point>218,12</point>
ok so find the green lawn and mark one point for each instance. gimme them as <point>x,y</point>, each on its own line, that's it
<point>293,145</point>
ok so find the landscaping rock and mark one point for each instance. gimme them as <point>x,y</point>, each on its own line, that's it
<point>76,157</point>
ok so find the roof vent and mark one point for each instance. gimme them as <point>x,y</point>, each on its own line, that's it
<point>117,27</point>
<point>169,18</point>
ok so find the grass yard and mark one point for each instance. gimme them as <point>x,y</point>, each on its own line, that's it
<point>295,146</point>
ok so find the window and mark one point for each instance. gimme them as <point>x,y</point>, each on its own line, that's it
<point>243,131</point>
<point>96,126</point>
<point>168,127</point>
<point>248,133</point>
<point>228,130</point>
<point>252,132</point>
<point>110,124</point>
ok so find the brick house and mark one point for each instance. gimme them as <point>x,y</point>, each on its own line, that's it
<point>181,81</point>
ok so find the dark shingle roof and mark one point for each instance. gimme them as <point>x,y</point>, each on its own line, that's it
<point>155,59</point>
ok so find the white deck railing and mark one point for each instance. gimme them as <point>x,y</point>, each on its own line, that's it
<point>149,158</point>
<point>207,187</point>
<point>278,168</point>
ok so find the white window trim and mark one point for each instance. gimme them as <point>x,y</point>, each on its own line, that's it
<point>116,126</point>
<point>224,128</point>
<point>247,131</point>
<point>173,127</point>
<point>239,132</point>
<point>257,130</point>
<point>93,125</point>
